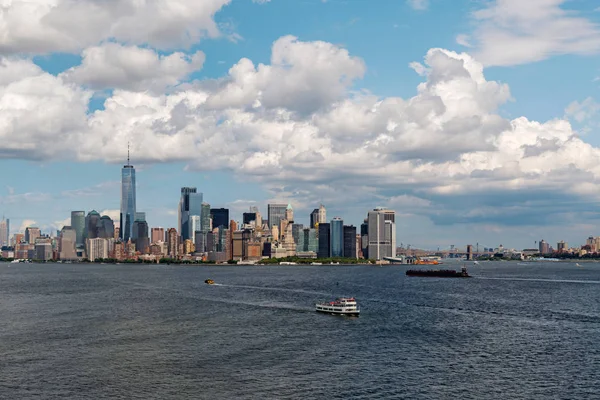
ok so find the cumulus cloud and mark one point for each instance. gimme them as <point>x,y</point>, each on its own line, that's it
<point>45,26</point>
<point>511,32</point>
<point>26,223</point>
<point>296,127</point>
<point>112,65</point>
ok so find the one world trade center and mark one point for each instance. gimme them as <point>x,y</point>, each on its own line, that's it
<point>127,200</point>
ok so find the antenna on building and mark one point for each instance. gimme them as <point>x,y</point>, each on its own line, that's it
<point>128,154</point>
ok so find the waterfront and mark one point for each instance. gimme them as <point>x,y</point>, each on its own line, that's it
<point>157,331</point>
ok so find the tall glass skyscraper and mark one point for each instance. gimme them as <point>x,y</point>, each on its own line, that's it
<point>276,212</point>
<point>78,223</point>
<point>189,205</point>
<point>337,237</point>
<point>127,201</point>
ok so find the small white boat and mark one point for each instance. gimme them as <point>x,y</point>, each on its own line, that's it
<point>340,306</point>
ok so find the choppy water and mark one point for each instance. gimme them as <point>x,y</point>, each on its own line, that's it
<point>158,332</point>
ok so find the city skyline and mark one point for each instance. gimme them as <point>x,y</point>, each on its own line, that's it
<point>411,105</point>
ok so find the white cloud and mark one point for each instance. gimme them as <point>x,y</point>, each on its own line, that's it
<point>511,32</point>
<point>45,26</point>
<point>295,127</point>
<point>112,65</point>
<point>115,215</point>
<point>582,111</point>
<point>26,224</point>
<point>464,40</point>
<point>418,4</point>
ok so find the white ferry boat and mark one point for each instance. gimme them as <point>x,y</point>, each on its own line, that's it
<point>341,306</point>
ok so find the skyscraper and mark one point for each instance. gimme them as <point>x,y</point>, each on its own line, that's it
<point>190,204</point>
<point>337,237</point>
<point>322,214</point>
<point>32,233</point>
<point>173,242</point>
<point>220,217</point>
<point>106,229</point>
<point>66,243</point>
<point>324,241</point>
<point>349,241</point>
<point>4,232</point>
<point>127,217</point>
<point>78,223</point>
<point>92,225</point>
<point>275,213</point>
<point>140,236</point>
<point>382,233</point>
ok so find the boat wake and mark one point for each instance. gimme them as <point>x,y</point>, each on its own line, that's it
<point>541,280</point>
<point>274,289</point>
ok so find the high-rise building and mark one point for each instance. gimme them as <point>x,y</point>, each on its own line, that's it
<point>296,231</point>
<point>544,247</point>
<point>307,241</point>
<point>4,232</point>
<point>337,237</point>
<point>43,250</point>
<point>31,234</point>
<point>190,204</point>
<point>275,213</point>
<point>324,241</point>
<point>106,229</point>
<point>349,241</point>
<point>78,223</point>
<point>128,206</point>
<point>248,218</point>
<point>322,214</point>
<point>364,238</point>
<point>139,216</point>
<point>92,225</point>
<point>205,218</point>
<point>256,211</point>
<point>173,242</point>
<point>157,235</point>
<point>562,246</point>
<point>314,218</point>
<point>67,241</point>
<point>140,236</point>
<point>97,248</point>
<point>220,217</point>
<point>382,233</point>
<point>195,227</point>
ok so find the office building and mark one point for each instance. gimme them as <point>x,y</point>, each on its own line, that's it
<point>31,234</point>
<point>195,227</point>
<point>43,250</point>
<point>296,230</point>
<point>308,241</point>
<point>248,218</point>
<point>190,205</point>
<point>276,213</point>
<point>106,229</point>
<point>337,237</point>
<point>128,200</point>
<point>78,223</point>
<point>67,242</point>
<point>157,235</point>
<point>324,250</point>
<point>364,238</point>
<point>349,241</point>
<point>544,247</point>
<point>220,217</point>
<point>381,233</point>
<point>173,243</point>
<point>258,219</point>
<point>4,232</point>
<point>562,246</point>
<point>92,224</point>
<point>140,236</point>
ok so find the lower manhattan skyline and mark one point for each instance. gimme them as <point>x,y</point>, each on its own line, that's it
<point>467,142</point>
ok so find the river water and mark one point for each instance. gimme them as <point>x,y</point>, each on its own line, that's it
<point>158,332</point>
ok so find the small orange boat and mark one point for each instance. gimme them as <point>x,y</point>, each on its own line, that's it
<point>418,261</point>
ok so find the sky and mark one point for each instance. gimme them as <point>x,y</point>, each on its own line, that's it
<point>477,121</point>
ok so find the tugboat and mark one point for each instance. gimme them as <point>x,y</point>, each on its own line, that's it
<point>439,273</point>
<point>340,306</point>
<point>209,282</point>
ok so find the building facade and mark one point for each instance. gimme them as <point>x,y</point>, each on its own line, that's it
<point>381,233</point>
<point>78,223</point>
<point>220,217</point>
<point>190,205</point>
<point>324,241</point>
<point>349,241</point>
<point>67,243</point>
<point>157,235</point>
<point>4,232</point>
<point>128,201</point>
<point>31,234</point>
<point>337,237</point>
<point>276,213</point>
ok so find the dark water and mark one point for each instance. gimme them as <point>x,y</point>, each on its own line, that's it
<point>158,332</point>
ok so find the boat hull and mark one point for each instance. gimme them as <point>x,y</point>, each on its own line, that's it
<point>438,274</point>
<point>348,313</point>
